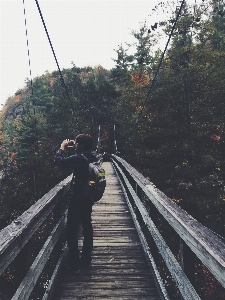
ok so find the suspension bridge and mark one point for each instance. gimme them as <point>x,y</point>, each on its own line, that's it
<point>145,245</point>
<point>132,256</point>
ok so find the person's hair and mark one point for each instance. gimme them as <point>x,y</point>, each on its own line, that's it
<point>85,140</point>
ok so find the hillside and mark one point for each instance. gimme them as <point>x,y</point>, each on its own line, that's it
<point>173,133</point>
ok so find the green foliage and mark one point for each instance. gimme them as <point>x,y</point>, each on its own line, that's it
<point>176,139</point>
<point>175,136</point>
<point>36,121</point>
<point>178,142</point>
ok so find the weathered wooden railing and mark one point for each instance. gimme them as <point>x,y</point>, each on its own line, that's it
<point>173,241</point>
<point>37,233</point>
<point>32,247</point>
<point>158,219</point>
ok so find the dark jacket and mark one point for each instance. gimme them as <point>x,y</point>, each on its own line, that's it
<point>78,164</point>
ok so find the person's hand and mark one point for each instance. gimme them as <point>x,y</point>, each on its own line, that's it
<point>64,144</point>
<point>67,144</point>
<point>71,144</point>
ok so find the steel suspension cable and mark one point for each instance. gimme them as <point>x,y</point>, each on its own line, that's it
<point>61,76</point>
<point>36,148</point>
<point>159,65</point>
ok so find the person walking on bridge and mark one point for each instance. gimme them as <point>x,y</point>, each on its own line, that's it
<point>80,209</point>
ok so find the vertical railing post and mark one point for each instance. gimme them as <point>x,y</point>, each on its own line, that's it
<point>188,258</point>
<point>22,263</point>
<point>114,137</point>
<point>182,254</point>
<point>99,141</point>
<point>187,262</point>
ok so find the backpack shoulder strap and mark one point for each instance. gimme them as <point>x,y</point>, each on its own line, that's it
<point>84,157</point>
<point>86,161</point>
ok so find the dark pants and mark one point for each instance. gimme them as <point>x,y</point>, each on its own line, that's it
<point>79,212</point>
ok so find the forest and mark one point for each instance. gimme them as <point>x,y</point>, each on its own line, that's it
<point>169,116</point>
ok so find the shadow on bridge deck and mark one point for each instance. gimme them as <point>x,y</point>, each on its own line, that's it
<point>119,267</point>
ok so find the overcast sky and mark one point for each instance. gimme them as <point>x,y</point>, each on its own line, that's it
<point>82,31</point>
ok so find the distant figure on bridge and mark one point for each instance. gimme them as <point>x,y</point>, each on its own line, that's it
<point>80,209</point>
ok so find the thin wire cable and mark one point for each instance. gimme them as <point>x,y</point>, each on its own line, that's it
<point>157,71</point>
<point>36,148</point>
<point>61,77</point>
<point>28,53</point>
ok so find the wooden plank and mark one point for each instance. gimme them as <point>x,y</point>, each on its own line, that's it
<point>116,222</point>
<point>133,292</point>
<point>109,206</point>
<point>108,227</point>
<point>117,260</point>
<point>110,275</point>
<point>110,278</point>
<point>127,250</point>
<point>109,244</point>
<point>111,297</point>
<point>108,216</point>
<point>115,233</point>
<point>105,284</point>
<point>104,292</point>
<point>123,239</point>
<point>120,269</point>
<point>112,208</point>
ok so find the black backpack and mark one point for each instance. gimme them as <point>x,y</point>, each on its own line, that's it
<point>95,187</point>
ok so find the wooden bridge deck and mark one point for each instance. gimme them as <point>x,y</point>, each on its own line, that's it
<point>120,269</point>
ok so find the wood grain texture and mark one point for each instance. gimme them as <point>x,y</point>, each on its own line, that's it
<point>204,243</point>
<point>15,236</point>
<point>187,290</point>
<point>27,285</point>
<point>119,267</point>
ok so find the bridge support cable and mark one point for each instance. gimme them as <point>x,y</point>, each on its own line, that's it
<point>184,109</point>
<point>159,65</point>
<point>35,146</point>
<point>61,76</point>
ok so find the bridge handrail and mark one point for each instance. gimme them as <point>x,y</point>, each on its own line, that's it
<point>205,244</point>
<point>15,236</point>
